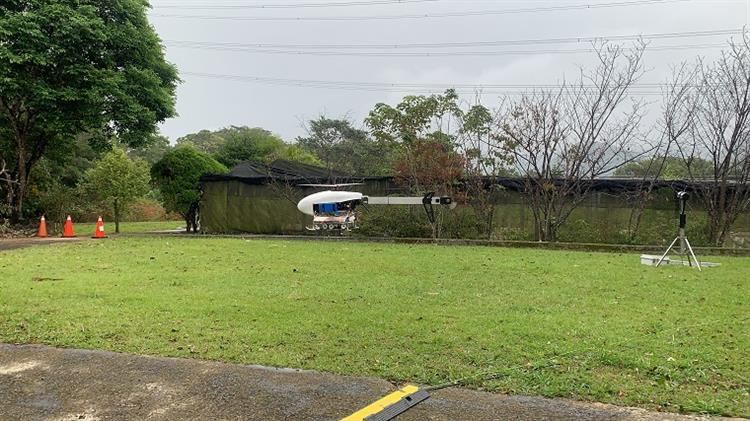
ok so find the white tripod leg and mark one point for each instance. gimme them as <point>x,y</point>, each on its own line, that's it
<point>661,259</point>
<point>690,248</point>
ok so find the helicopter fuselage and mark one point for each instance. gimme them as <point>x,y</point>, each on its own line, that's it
<point>331,210</point>
<point>335,210</point>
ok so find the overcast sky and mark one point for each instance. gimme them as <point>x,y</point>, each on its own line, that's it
<point>214,102</point>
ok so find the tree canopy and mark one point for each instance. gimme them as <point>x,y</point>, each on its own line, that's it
<point>151,152</point>
<point>668,168</point>
<point>415,117</point>
<point>206,140</point>
<point>344,148</point>
<point>177,175</point>
<point>248,144</point>
<point>118,181</point>
<point>70,67</point>
<point>234,144</point>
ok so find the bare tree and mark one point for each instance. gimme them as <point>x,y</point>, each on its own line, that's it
<point>719,131</point>
<point>677,108</point>
<point>483,163</point>
<point>533,133</point>
<point>562,140</point>
<point>640,195</point>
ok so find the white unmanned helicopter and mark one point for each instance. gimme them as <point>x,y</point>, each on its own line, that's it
<point>336,210</point>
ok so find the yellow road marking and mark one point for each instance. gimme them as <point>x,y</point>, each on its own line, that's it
<point>381,403</point>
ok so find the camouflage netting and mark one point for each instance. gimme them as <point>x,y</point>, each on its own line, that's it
<point>280,171</point>
<point>259,198</point>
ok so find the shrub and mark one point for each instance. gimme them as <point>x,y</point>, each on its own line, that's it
<point>177,175</point>
<point>149,210</point>
<point>411,222</point>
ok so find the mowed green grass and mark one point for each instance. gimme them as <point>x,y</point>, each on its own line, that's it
<point>87,228</point>
<point>591,326</point>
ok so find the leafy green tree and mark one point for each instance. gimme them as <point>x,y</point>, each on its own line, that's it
<point>153,151</point>
<point>206,140</point>
<point>672,168</point>
<point>249,144</point>
<point>177,175</point>
<point>211,142</point>
<point>416,117</point>
<point>54,183</point>
<point>234,144</point>
<point>344,148</point>
<point>118,181</point>
<point>297,154</point>
<point>67,163</point>
<point>72,67</point>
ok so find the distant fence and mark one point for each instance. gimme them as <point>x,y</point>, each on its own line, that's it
<point>232,205</point>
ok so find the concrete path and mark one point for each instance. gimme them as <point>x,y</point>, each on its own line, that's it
<point>42,383</point>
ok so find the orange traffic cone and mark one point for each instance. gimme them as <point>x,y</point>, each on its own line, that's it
<point>42,232</point>
<point>99,230</point>
<point>68,228</point>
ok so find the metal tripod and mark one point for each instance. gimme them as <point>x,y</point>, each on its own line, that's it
<point>681,237</point>
<point>684,246</point>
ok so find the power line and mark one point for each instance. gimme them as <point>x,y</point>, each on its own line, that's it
<point>409,85</point>
<point>432,54</point>
<point>427,15</point>
<point>289,6</point>
<point>539,41</point>
<point>642,89</point>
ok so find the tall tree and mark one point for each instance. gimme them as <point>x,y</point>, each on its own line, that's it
<point>177,175</point>
<point>118,181</point>
<point>659,164</point>
<point>69,67</point>
<point>234,144</point>
<point>248,144</point>
<point>341,147</point>
<point>206,140</point>
<point>429,165</point>
<point>560,141</point>
<point>483,163</point>
<point>295,153</point>
<point>153,151</point>
<point>718,121</point>
<point>416,117</point>
<point>439,146</point>
<point>58,177</point>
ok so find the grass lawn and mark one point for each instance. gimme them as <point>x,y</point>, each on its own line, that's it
<point>591,326</point>
<point>87,228</point>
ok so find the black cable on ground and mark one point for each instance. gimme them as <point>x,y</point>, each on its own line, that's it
<point>502,373</point>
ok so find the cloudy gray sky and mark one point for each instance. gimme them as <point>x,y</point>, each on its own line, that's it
<point>220,46</point>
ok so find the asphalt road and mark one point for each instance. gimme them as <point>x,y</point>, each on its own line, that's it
<point>42,383</point>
